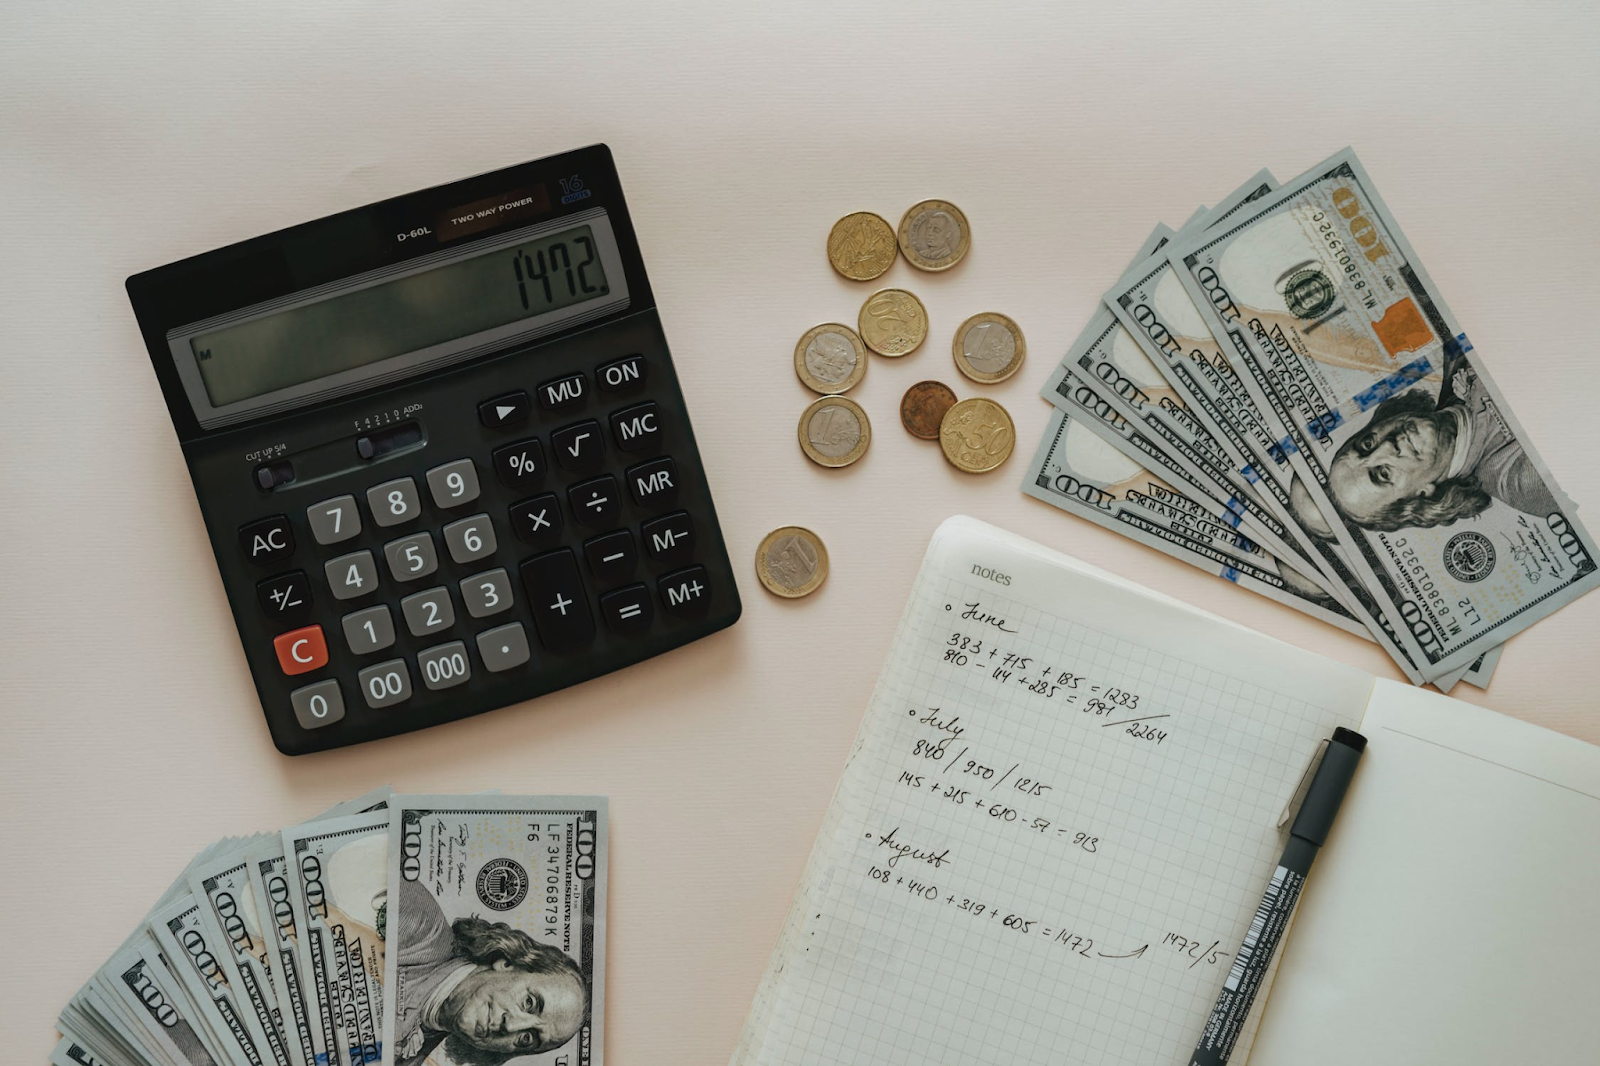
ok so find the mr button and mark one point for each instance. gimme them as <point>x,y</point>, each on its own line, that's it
<point>654,484</point>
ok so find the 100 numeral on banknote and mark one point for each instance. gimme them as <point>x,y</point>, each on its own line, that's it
<point>1390,420</point>
<point>496,930</point>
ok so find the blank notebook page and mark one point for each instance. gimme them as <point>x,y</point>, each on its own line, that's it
<point>1053,827</point>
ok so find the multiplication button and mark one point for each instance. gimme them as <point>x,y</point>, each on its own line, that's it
<point>385,684</point>
<point>537,521</point>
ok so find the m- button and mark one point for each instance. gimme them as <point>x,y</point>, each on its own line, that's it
<point>670,538</point>
<point>637,428</point>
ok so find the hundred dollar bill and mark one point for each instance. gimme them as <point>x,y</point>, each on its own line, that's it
<point>338,868</point>
<point>1403,450</point>
<point>144,984</point>
<point>72,1052</point>
<point>308,1032</point>
<point>1077,471</point>
<point>198,958</point>
<point>234,921</point>
<point>497,926</point>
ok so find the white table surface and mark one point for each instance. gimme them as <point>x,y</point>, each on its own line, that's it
<point>742,131</point>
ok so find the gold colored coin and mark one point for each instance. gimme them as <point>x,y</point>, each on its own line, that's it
<point>834,431</point>
<point>934,235</point>
<point>989,348</point>
<point>830,359</point>
<point>977,435</point>
<point>893,322</point>
<point>923,406</point>
<point>861,246</point>
<point>792,562</point>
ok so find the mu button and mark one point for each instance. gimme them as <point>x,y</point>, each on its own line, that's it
<point>301,650</point>
<point>685,591</point>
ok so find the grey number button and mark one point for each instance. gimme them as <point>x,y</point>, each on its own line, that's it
<point>503,647</point>
<point>470,539</point>
<point>445,666</point>
<point>334,520</point>
<point>454,484</point>
<point>368,630</point>
<point>428,611</point>
<point>394,502</point>
<point>385,684</point>
<point>411,557</point>
<point>351,575</point>
<point>318,705</point>
<point>486,593</point>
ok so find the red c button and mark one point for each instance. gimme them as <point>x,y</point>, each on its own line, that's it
<point>301,650</point>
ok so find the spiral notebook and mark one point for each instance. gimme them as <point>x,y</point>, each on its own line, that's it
<point>1064,802</point>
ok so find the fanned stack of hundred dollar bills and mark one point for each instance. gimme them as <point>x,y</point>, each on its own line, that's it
<point>397,929</point>
<point>1278,394</point>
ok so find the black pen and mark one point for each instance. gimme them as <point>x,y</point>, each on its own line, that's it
<point>1310,829</point>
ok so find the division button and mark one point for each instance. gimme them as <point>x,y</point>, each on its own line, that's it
<point>562,393</point>
<point>394,502</point>
<point>487,593</point>
<point>556,597</point>
<point>637,428</point>
<point>334,520</point>
<point>470,539</point>
<point>503,648</point>
<point>506,410</point>
<point>351,575</point>
<point>670,538</point>
<point>301,650</point>
<point>628,610</point>
<point>368,630</point>
<point>267,539</point>
<point>625,373</point>
<point>578,447</point>
<point>520,465</point>
<point>445,666</point>
<point>453,484</point>
<point>385,684</point>
<point>596,502</point>
<point>428,611</point>
<point>654,484</point>
<point>537,521</point>
<point>685,591</point>
<point>317,705</point>
<point>285,597</point>
<point>611,556</point>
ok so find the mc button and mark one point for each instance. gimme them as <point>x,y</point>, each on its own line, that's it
<point>301,650</point>
<point>637,428</point>
<point>267,540</point>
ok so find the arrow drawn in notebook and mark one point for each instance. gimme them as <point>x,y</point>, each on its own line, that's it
<point>1130,955</point>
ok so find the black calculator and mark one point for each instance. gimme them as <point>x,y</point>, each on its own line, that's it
<point>441,451</point>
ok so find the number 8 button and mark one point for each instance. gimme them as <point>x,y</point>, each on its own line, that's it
<point>394,502</point>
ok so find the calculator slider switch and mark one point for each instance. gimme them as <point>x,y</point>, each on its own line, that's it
<point>506,410</point>
<point>394,439</point>
<point>563,393</point>
<point>625,373</point>
<point>267,539</point>
<point>301,650</point>
<point>269,476</point>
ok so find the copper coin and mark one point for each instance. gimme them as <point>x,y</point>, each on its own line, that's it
<point>923,406</point>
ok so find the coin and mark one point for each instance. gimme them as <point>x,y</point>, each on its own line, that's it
<point>861,246</point>
<point>830,359</point>
<point>934,235</point>
<point>923,407</point>
<point>893,322</point>
<point>834,431</point>
<point>792,562</point>
<point>977,435</point>
<point>988,348</point>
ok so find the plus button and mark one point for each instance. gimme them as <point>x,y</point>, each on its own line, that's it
<point>561,603</point>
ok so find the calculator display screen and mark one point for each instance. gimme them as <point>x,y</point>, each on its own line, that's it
<point>348,330</point>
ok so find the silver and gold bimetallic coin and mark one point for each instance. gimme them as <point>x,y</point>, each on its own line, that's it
<point>934,235</point>
<point>834,431</point>
<point>830,359</point>
<point>893,322</point>
<point>792,562</point>
<point>988,348</point>
<point>977,435</point>
<point>861,246</point>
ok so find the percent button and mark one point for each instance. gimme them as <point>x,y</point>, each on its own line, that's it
<point>520,465</point>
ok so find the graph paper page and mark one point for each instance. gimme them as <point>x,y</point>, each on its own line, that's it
<point>1053,826</point>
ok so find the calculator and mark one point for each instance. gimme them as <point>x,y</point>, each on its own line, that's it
<point>440,449</point>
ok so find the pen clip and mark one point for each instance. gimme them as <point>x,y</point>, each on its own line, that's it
<point>1299,794</point>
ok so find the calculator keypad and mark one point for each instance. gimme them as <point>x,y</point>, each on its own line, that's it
<point>470,539</point>
<point>503,648</point>
<point>394,502</point>
<point>487,594</point>
<point>386,683</point>
<point>411,558</point>
<point>318,704</point>
<point>445,666</point>
<point>353,575</point>
<point>428,612</point>
<point>368,630</point>
<point>334,520</point>
<point>453,484</point>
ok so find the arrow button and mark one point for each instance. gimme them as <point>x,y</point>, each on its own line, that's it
<point>507,410</point>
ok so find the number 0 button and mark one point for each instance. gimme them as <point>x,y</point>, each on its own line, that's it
<point>393,502</point>
<point>318,705</point>
<point>385,684</point>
